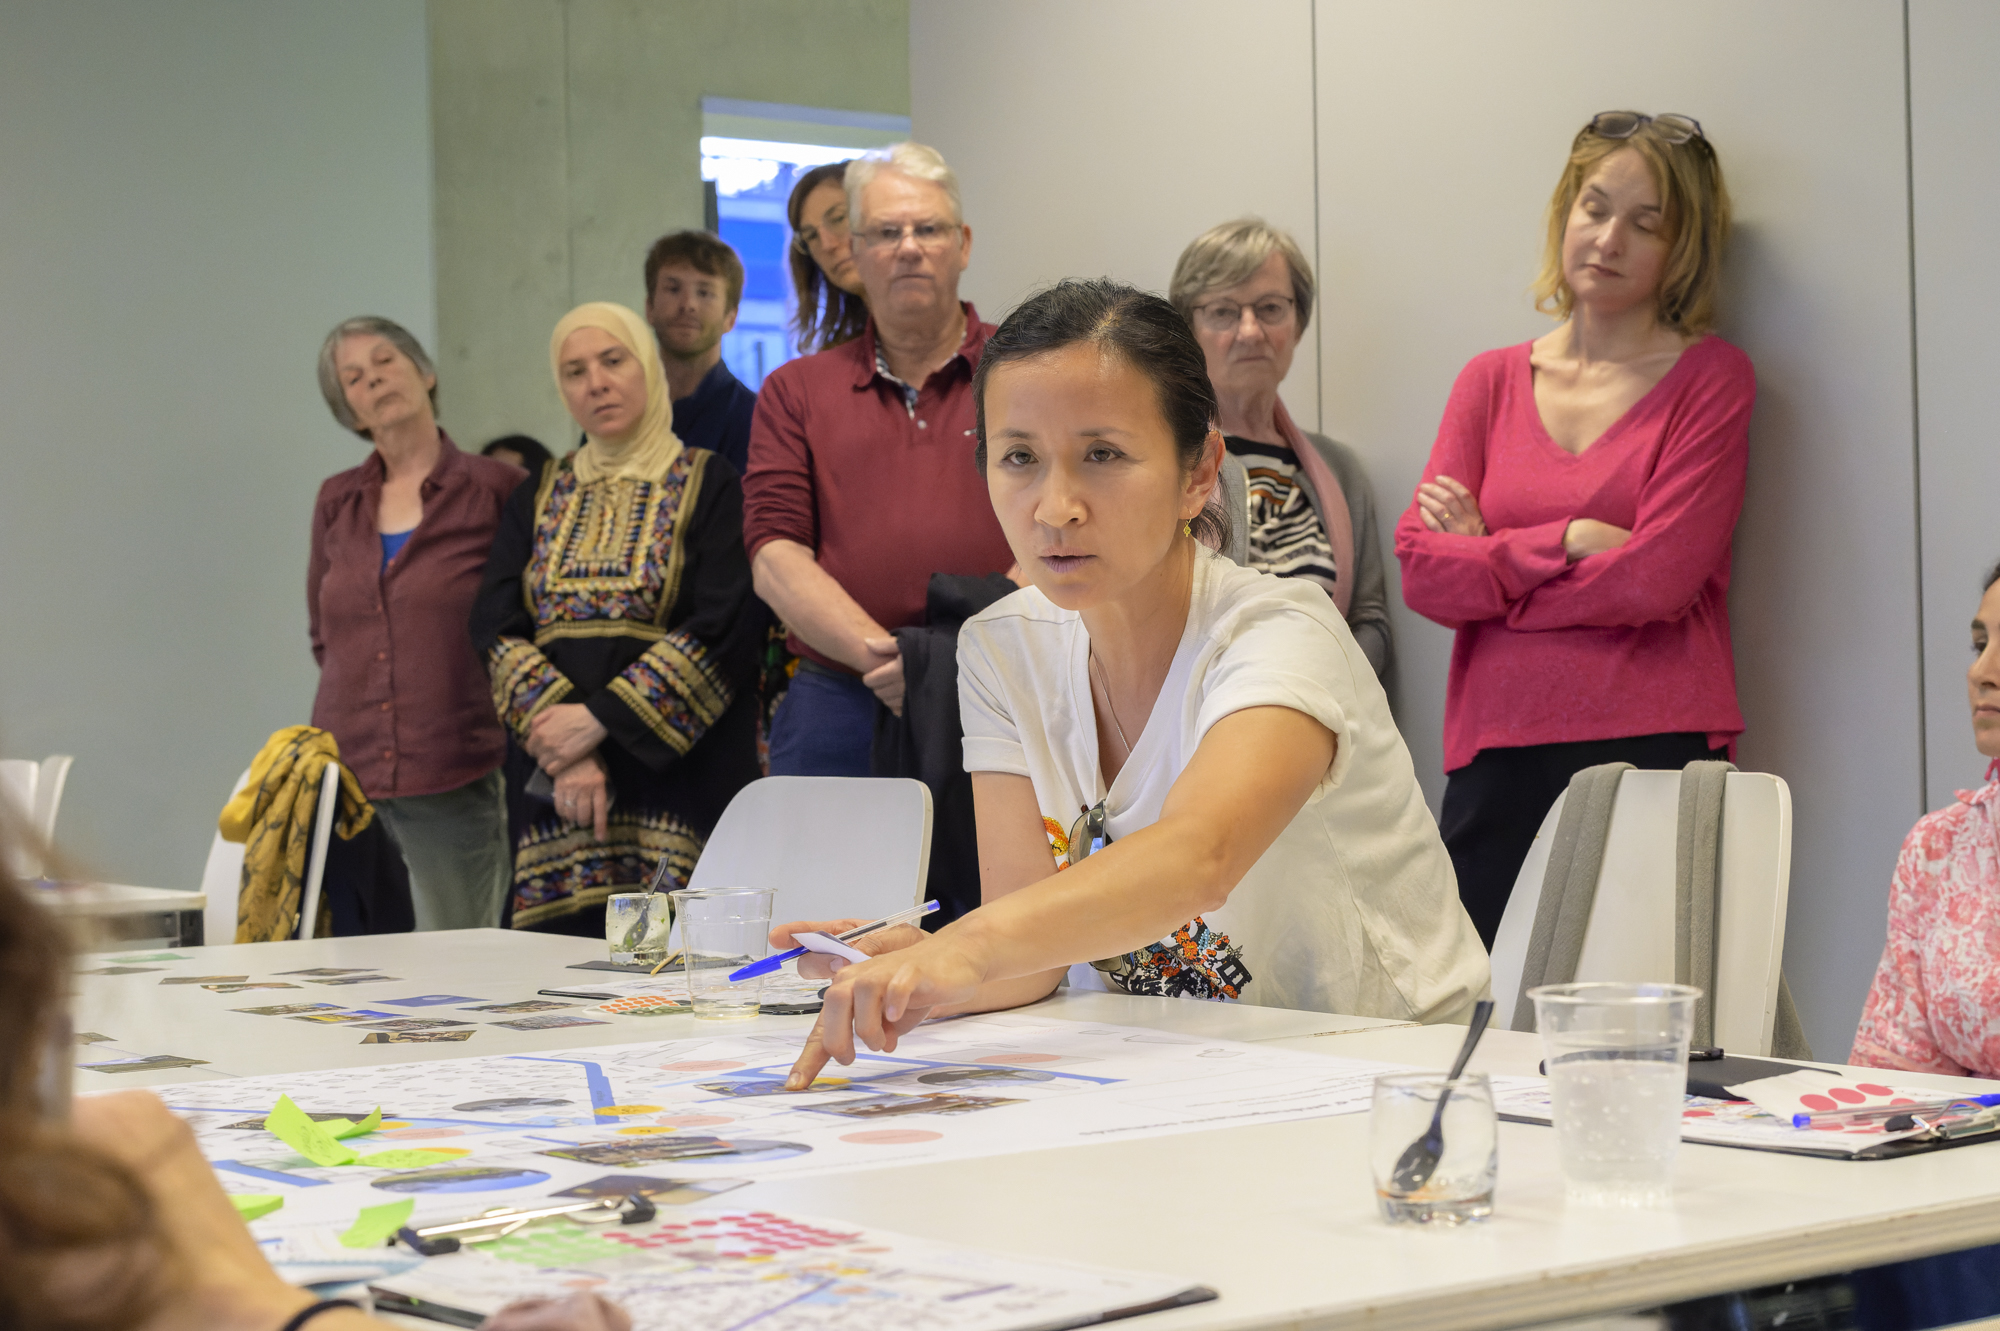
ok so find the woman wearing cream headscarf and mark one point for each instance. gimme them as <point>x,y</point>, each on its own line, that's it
<point>613,624</point>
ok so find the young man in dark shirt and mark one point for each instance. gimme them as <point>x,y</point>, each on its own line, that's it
<point>693,283</point>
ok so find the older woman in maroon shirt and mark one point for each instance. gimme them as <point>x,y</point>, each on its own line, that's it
<point>399,545</point>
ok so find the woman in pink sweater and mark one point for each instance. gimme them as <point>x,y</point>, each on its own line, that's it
<point>1574,520</point>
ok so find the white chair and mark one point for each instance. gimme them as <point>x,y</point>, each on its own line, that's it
<point>222,876</point>
<point>34,790</point>
<point>1630,935</point>
<point>834,847</point>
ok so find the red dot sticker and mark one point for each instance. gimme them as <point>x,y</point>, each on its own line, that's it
<point>1818,1102</point>
<point>1902,1100</point>
<point>891,1137</point>
<point>1847,1095</point>
<point>1872,1089</point>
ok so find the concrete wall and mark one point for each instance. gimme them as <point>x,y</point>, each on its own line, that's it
<point>1440,132</point>
<point>567,138</point>
<point>193,195</point>
<point>1955,177</point>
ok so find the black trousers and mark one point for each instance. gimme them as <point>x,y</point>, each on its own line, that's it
<point>1494,805</point>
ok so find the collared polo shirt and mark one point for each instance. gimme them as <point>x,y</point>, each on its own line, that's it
<point>716,416</point>
<point>400,688</point>
<point>874,478</point>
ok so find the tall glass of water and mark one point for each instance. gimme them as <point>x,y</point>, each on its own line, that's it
<point>1617,1066</point>
<point>723,929</point>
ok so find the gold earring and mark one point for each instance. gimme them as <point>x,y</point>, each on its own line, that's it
<point>1187,529</point>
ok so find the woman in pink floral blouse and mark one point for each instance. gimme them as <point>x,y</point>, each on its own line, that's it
<point>1935,1006</point>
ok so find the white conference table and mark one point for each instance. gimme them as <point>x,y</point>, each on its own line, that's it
<point>1280,1218</point>
<point>125,916</point>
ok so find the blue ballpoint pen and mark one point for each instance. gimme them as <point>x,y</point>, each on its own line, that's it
<point>769,964</point>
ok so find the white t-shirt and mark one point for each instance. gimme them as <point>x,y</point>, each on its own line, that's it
<point>1354,908</point>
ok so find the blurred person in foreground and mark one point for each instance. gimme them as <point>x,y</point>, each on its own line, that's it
<point>110,1219</point>
<point>519,450</point>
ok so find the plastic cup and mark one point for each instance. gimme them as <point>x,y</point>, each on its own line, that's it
<point>721,930</point>
<point>636,927</point>
<point>1617,1067</point>
<point>1460,1189</point>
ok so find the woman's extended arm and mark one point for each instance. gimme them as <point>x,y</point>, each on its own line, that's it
<point>1251,774</point>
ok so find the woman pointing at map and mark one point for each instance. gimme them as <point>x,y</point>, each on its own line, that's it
<point>1185,772</point>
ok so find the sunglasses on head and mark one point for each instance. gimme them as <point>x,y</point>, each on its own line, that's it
<point>1671,128</point>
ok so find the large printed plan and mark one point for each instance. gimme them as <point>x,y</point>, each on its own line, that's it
<point>712,1107</point>
<point>693,1124</point>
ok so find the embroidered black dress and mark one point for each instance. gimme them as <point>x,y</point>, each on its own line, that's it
<point>634,599</point>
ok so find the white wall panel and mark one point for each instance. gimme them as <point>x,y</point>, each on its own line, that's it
<point>194,194</point>
<point>1443,127</point>
<point>1955,106</point>
<point>1098,139</point>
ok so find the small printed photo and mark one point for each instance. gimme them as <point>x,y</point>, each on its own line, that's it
<point>413,1024</point>
<point>359,979</point>
<point>414,1037</point>
<point>895,1106</point>
<point>257,1123</point>
<point>205,979</point>
<point>331,970</point>
<point>549,1021</point>
<point>672,1191</point>
<point>121,970</point>
<point>340,1018</point>
<point>525,1005</point>
<point>430,1000</point>
<point>151,956</point>
<point>239,988</point>
<point>287,1009</point>
<point>150,1063</point>
<point>90,1037</point>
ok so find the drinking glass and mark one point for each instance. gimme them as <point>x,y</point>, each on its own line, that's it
<point>1461,1187</point>
<point>636,926</point>
<point>1617,1067</point>
<point>721,930</point>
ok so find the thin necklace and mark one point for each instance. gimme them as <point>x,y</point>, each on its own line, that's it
<point>1109,709</point>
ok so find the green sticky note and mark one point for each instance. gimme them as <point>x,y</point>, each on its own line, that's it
<point>361,1129</point>
<point>410,1159</point>
<point>372,1228</point>
<point>291,1126</point>
<point>252,1205</point>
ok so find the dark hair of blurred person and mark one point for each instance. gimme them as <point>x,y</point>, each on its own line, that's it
<point>831,305</point>
<point>519,450</point>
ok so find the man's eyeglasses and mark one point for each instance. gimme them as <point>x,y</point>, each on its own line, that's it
<point>888,235</point>
<point>808,236</point>
<point>1223,315</point>
<point>1675,129</point>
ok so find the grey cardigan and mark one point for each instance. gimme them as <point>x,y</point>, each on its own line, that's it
<point>1368,608</point>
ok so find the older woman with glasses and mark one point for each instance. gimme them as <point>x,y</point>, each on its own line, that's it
<point>832,307</point>
<point>1301,505</point>
<point>1574,519</point>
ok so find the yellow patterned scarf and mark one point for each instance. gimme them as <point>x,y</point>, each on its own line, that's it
<point>273,817</point>
<point>650,447</point>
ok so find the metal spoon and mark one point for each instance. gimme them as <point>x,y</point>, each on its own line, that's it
<point>1420,1160</point>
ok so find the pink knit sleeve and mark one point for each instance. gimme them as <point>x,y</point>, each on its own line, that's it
<point>1895,1030</point>
<point>1687,513</point>
<point>1457,580</point>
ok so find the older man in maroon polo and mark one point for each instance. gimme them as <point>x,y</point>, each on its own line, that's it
<point>861,481</point>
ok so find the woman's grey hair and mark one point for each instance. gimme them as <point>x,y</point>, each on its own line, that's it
<point>1225,255</point>
<point>916,160</point>
<point>329,374</point>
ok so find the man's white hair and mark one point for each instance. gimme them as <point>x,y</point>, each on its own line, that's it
<point>916,160</point>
